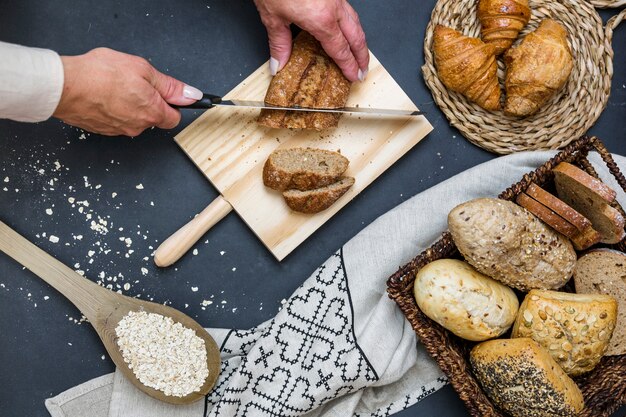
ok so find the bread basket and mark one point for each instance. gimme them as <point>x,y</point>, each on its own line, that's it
<point>569,114</point>
<point>604,388</point>
<point>607,4</point>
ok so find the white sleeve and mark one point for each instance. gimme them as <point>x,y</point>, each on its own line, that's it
<point>31,82</point>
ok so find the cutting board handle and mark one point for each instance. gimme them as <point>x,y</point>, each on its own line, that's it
<point>180,242</point>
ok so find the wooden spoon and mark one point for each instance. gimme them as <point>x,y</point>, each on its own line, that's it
<point>104,309</point>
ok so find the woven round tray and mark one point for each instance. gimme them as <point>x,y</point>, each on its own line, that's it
<point>607,4</point>
<point>568,115</point>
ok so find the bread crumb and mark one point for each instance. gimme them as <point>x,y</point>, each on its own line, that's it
<point>54,239</point>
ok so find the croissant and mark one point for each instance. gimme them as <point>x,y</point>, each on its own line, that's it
<point>501,21</point>
<point>468,66</point>
<point>537,68</point>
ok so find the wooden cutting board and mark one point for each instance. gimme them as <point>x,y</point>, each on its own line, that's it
<point>229,147</point>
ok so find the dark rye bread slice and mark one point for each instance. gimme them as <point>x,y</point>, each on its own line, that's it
<point>591,198</point>
<point>303,168</point>
<point>309,79</point>
<point>548,216</point>
<point>314,201</point>
<point>603,271</point>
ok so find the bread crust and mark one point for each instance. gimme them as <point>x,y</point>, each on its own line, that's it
<point>522,379</point>
<point>464,301</point>
<point>506,242</point>
<point>309,79</point>
<point>574,328</point>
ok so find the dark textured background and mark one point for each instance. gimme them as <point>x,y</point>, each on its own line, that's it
<point>212,45</point>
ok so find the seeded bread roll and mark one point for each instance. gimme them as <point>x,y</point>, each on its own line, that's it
<point>591,197</point>
<point>603,271</point>
<point>506,242</point>
<point>318,199</point>
<point>464,301</point>
<point>574,328</point>
<point>309,79</point>
<point>522,379</point>
<point>303,168</point>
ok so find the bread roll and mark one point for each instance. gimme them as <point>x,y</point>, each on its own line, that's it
<point>509,244</point>
<point>522,379</point>
<point>574,328</point>
<point>464,301</point>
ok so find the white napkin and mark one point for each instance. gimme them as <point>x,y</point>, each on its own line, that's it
<point>339,346</point>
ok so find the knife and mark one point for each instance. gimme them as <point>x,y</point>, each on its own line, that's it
<point>209,101</point>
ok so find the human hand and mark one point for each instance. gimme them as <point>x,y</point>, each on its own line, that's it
<point>113,93</point>
<point>332,22</point>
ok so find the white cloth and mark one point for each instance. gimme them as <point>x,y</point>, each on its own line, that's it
<point>31,82</point>
<point>339,346</point>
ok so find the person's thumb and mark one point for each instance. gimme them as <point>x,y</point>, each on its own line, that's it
<point>280,46</point>
<point>174,91</point>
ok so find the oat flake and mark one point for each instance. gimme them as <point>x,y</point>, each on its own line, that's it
<point>163,355</point>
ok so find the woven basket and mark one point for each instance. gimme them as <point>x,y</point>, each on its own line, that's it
<point>604,389</point>
<point>569,114</point>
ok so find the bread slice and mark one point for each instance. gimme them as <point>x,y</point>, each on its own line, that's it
<point>559,207</point>
<point>314,201</point>
<point>548,216</point>
<point>586,239</point>
<point>603,271</point>
<point>522,379</point>
<point>591,198</point>
<point>303,168</point>
<point>309,79</point>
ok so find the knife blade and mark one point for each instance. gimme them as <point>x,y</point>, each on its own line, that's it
<point>209,101</point>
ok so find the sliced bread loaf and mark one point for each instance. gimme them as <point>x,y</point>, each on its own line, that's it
<point>586,239</point>
<point>558,206</point>
<point>548,216</point>
<point>603,271</point>
<point>590,197</point>
<point>316,200</point>
<point>303,168</point>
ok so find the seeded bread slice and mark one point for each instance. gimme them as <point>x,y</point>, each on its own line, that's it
<point>314,201</point>
<point>559,207</point>
<point>590,197</point>
<point>303,168</point>
<point>603,271</point>
<point>548,216</point>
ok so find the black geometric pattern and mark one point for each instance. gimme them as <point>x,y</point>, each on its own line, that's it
<point>306,356</point>
<point>408,400</point>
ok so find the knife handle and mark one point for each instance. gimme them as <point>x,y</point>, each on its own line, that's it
<point>206,102</point>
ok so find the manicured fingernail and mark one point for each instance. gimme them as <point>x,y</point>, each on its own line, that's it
<point>362,74</point>
<point>274,65</point>
<point>192,92</point>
